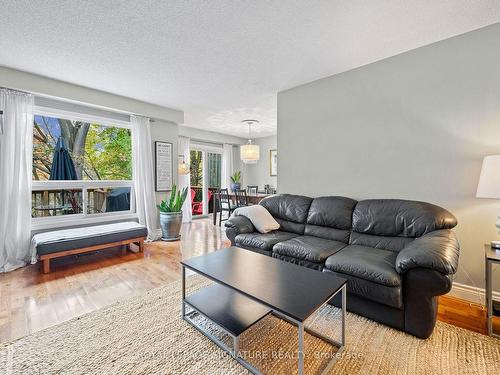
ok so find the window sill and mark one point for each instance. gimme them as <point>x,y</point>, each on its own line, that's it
<point>66,222</point>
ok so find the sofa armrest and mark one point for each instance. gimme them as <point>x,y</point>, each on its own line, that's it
<point>438,250</point>
<point>238,225</point>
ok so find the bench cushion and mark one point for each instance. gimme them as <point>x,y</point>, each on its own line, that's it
<point>77,238</point>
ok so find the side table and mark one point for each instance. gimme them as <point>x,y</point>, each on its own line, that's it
<point>491,256</point>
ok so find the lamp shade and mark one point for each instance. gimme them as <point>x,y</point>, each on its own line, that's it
<point>489,180</point>
<point>183,168</point>
<point>249,153</point>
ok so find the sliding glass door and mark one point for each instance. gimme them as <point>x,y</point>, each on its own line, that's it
<point>206,166</point>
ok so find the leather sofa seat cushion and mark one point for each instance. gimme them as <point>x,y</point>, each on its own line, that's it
<point>388,295</point>
<point>376,265</point>
<point>397,217</point>
<point>263,241</point>
<point>300,262</point>
<point>312,249</point>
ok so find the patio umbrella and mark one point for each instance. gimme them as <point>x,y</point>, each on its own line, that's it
<point>63,167</point>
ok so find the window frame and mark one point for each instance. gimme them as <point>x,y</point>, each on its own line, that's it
<point>48,222</point>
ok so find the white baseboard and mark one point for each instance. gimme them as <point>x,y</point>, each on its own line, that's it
<point>470,293</point>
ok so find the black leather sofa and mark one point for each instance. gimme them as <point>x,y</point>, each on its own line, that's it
<point>397,255</point>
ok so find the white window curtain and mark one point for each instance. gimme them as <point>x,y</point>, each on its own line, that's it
<point>227,166</point>
<point>16,154</point>
<point>185,179</point>
<point>142,156</point>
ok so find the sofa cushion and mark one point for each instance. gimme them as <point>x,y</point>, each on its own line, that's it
<point>376,265</point>
<point>400,218</point>
<point>331,218</point>
<point>387,295</point>
<point>300,262</point>
<point>263,241</point>
<point>290,211</point>
<point>313,249</point>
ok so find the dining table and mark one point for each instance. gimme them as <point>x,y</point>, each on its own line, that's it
<point>253,198</point>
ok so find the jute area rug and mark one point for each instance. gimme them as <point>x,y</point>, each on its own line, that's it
<point>146,335</point>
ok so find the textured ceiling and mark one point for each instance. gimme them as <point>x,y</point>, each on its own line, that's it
<point>221,61</point>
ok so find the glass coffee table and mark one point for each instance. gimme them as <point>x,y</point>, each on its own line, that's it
<point>249,286</point>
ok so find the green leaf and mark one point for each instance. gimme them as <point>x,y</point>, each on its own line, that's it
<point>175,202</point>
<point>236,177</point>
<point>180,200</point>
<point>172,196</point>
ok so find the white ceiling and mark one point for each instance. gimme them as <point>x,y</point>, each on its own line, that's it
<point>221,61</point>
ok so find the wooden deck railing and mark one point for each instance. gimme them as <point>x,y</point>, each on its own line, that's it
<point>64,202</point>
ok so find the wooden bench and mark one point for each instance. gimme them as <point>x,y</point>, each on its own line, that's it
<point>56,244</point>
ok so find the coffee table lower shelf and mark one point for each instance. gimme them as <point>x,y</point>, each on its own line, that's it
<point>233,313</point>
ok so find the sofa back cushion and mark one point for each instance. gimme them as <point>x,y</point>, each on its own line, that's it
<point>380,242</point>
<point>289,210</point>
<point>393,223</point>
<point>330,218</point>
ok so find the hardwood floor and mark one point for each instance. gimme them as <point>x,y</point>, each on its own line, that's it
<point>31,301</point>
<point>465,314</point>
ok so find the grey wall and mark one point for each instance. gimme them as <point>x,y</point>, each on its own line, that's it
<point>258,174</point>
<point>208,136</point>
<point>16,79</point>
<point>164,131</point>
<point>413,126</point>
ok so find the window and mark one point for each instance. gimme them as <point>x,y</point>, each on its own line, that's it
<point>82,166</point>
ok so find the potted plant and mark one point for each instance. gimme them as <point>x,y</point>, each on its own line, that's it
<point>171,214</point>
<point>236,181</point>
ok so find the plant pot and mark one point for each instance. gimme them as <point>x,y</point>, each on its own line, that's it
<point>170,223</point>
<point>235,186</point>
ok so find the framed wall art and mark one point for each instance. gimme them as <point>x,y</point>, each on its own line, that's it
<point>163,166</point>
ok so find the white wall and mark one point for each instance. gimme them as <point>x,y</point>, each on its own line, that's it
<point>259,174</point>
<point>414,126</point>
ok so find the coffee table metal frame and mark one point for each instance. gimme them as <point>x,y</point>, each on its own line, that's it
<point>301,327</point>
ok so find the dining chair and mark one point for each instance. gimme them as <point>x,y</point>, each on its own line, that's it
<point>241,198</point>
<point>224,204</point>
<point>252,189</point>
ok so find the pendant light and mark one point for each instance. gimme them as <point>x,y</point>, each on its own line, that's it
<point>250,153</point>
<point>183,167</point>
